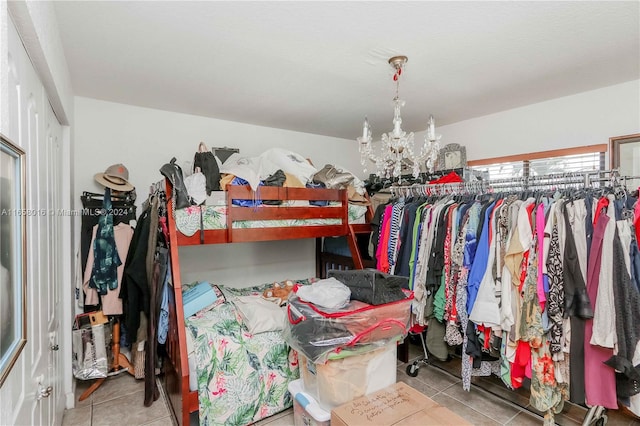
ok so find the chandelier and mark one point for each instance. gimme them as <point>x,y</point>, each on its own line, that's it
<point>397,145</point>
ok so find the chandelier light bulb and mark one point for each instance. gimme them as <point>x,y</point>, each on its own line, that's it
<point>431,134</point>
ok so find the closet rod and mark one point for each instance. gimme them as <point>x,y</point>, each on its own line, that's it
<point>585,179</point>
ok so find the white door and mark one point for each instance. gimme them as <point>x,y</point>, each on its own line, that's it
<point>32,393</point>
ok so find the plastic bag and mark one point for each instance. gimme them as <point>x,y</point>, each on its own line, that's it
<point>329,293</point>
<point>205,160</point>
<point>196,187</point>
<point>90,358</point>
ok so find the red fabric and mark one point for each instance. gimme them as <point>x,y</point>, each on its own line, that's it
<point>521,366</point>
<point>452,177</point>
<point>487,335</point>
<point>636,220</point>
<point>523,269</point>
<point>603,203</point>
<point>417,328</point>
<point>530,208</point>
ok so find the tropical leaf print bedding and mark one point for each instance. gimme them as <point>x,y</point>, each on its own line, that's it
<point>242,378</point>
<point>215,217</point>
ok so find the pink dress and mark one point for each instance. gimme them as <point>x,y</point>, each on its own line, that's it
<point>599,379</point>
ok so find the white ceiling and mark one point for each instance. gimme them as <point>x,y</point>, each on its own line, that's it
<point>320,67</point>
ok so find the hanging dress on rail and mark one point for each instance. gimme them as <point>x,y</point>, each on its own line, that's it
<point>600,379</point>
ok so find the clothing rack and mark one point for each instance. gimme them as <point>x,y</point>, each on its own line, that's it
<point>556,181</point>
<point>595,179</point>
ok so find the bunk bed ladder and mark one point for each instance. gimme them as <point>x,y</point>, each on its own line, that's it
<point>359,229</point>
<point>352,238</point>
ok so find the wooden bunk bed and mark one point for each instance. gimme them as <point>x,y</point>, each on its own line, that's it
<point>184,401</point>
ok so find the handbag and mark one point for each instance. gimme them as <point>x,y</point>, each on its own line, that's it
<point>173,172</point>
<point>206,161</point>
<point>333,178</point>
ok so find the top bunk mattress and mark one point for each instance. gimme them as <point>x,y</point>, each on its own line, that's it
<point>188,220</point>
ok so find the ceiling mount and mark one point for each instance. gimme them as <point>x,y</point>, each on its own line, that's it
<point>398,62</point>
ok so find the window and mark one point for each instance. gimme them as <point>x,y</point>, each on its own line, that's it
<point>581,159</point>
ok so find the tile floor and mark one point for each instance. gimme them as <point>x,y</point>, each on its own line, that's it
<point>120,401</point>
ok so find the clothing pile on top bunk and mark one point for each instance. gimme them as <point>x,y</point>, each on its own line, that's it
<point>274,167</point>
<point>544,287</point>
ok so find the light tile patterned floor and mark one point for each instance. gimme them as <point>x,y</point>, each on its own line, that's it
<point>120,401</point>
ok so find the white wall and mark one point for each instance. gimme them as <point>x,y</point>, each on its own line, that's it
<point>587,118</point>
<point>144,139</point>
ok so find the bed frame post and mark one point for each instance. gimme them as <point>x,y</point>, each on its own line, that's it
<point>176,378</point>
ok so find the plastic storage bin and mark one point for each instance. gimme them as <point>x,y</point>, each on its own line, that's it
<point>317,332</point>
<point>306,410</point>
<point>339,381</point>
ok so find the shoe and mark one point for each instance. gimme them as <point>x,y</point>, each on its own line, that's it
<point>173,172</point>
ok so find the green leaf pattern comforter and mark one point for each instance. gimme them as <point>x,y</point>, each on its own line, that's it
<point>242,378</point>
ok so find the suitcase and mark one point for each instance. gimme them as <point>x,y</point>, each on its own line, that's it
<point>371,286</point>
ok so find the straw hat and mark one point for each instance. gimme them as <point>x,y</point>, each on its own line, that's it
<point>115,177</point>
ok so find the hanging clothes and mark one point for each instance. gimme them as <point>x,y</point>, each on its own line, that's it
<point>600,379</point>
<point>135,287</point>
<point>532,285</point>
<point>106,260</point>
<point>104,268</point>
<point>110,302</point>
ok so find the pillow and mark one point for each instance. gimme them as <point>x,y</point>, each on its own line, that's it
<point>259,315</point>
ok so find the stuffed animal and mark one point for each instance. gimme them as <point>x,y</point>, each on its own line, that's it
<point>279,292</point>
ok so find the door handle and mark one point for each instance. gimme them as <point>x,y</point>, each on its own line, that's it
<point>43,392</point>
<point>54,347</point>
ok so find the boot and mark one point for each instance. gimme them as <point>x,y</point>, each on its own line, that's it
<point>173,172</point>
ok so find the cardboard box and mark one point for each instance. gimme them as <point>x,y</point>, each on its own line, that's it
<point>396,405</point>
